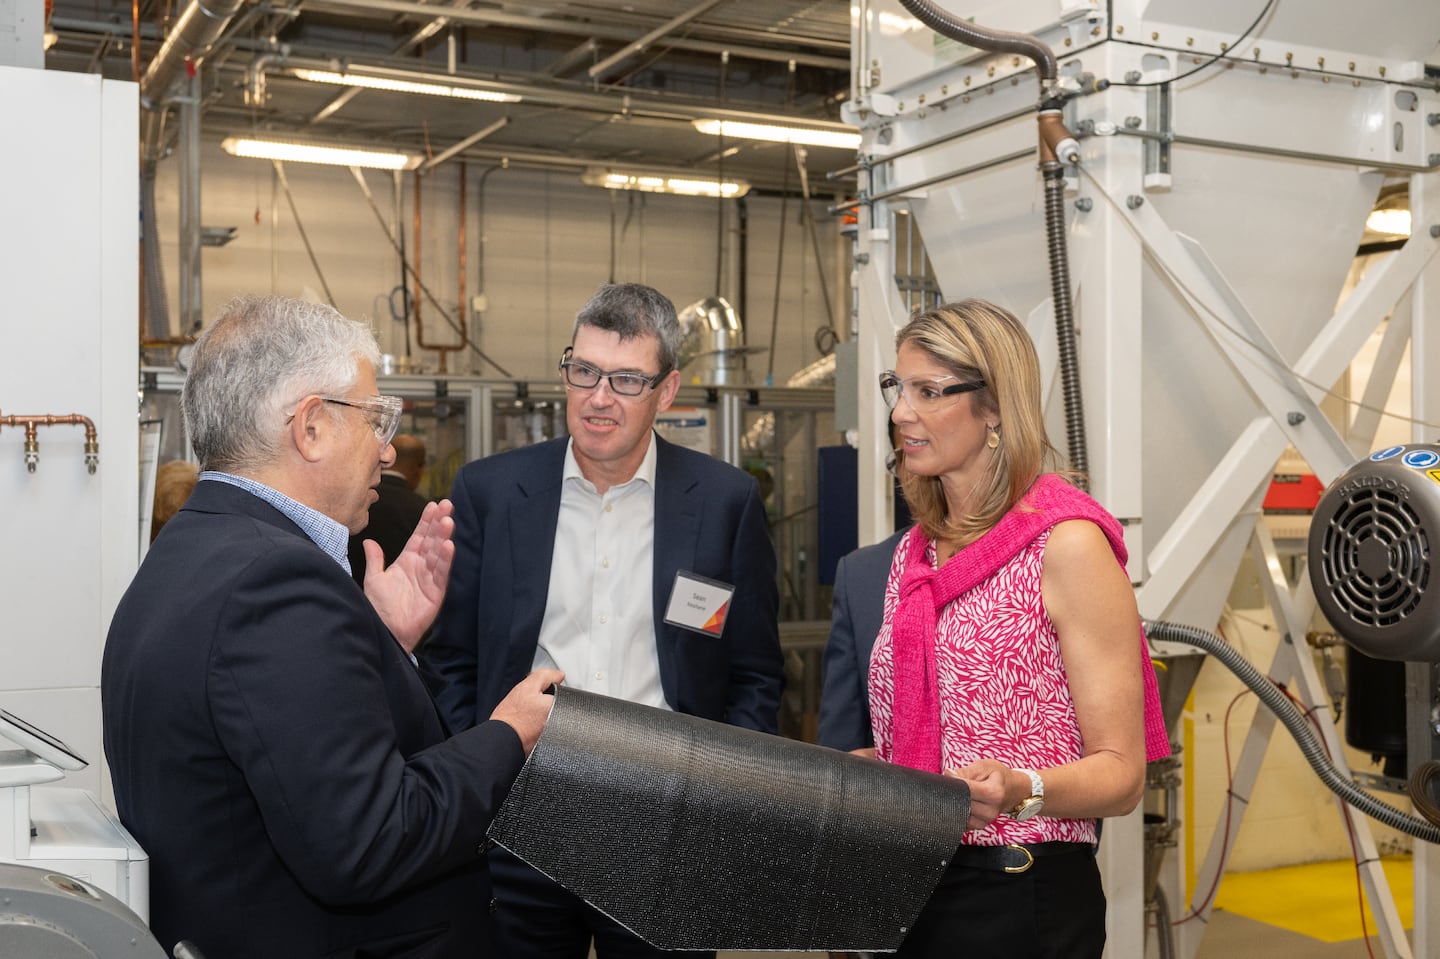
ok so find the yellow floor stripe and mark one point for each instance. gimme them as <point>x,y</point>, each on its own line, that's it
<point>1318,900</point>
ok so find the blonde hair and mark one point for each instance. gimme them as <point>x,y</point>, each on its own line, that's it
<point>979,340</point>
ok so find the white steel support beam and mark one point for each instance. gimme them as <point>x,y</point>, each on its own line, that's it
<point>1425,408</point>
<point>1382,379</point>
<point>881,316</point>
<point>1106,267</point>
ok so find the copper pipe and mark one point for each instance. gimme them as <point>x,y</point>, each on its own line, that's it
<point>32,442</point>
<point>441,348</point>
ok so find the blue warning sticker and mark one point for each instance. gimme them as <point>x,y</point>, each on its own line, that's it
<point>1421,459</point>
<point>1387,453</point>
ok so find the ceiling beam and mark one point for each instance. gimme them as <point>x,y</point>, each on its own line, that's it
<point>499,18</point>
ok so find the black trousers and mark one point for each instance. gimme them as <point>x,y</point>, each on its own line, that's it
<point>1053,910</point>
<point>536,919</point>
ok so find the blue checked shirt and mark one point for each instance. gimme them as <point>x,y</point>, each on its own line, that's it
<point>327,534</point>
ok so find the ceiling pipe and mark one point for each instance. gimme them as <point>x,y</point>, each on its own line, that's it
<point>557,25</point>
<point>198,26</point>
<point>623,102</point>
<point>659,33</point>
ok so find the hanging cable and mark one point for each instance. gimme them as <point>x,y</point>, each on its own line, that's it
<point>289,198</point>
<point>1224,54</point>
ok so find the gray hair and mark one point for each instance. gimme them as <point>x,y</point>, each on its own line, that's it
<point>632,310</point>
<point>261,355</point>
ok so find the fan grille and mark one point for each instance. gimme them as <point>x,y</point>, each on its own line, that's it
<point>1376,558</point>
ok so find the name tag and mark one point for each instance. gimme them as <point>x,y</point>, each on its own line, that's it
<point>699,604</point>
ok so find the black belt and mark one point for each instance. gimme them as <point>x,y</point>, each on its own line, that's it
<point>1013,858</point>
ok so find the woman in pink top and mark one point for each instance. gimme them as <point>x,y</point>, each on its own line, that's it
<point>1011,654</point>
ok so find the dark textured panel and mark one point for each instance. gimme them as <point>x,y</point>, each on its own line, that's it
<point>698,835</point>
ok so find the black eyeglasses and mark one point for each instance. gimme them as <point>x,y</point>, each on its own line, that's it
<point>922,393</point>
<point>583,376</point>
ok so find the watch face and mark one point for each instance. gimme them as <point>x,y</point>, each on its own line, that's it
<point>1028,809</point>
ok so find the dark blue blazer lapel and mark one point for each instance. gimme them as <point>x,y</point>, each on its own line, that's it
<point>678,506</point>
<point>532,521</point>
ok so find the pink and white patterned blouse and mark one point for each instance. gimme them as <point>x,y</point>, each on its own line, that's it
<point>1003,690</point>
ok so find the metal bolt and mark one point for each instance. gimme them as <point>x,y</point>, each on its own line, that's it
<point>1132,76</point>
<point>1133,123</point>
<point>1352,66</point>
<point>1435,159</point>
<point>862,258</point>
<point>1084,204</point>
<point>1154,35</point>
<point>1189,41</point>
<point>1085,127</point>
<point>1435,231</point>
<point>1120,29</point>
<point>1134,201</point>
<point>1294,418</point>
<point>1433,119</point>
<point>1319,61</point>
<point>1382,71</point>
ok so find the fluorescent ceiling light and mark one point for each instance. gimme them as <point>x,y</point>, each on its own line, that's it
<point>807,136</point>
<point>657,182</point>
<point>1392,222</point>
<point>264,149</point>
<point>404,86</point>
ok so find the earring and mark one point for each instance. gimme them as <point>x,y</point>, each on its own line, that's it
<point>992,437</point>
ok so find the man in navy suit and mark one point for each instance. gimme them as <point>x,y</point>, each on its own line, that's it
<point>568,554</point>
<point>397,512</point>
<point>272,744</point>
<point>857,610</point>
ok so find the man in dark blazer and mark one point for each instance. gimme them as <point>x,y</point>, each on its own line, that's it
<point>569,553</point>
<point>272,745</point>
<point>857,610</point>
<point>397,511</point>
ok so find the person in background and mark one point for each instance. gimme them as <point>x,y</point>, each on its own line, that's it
<point>272,745</point>
<point>397,512</point>
<point>857,608</point>
<point>1010,653</point>
<point>173,482</point>
<point>568,555</point>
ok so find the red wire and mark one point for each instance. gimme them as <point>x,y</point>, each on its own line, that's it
<point>1309,714</point>
<point>1196,911</point>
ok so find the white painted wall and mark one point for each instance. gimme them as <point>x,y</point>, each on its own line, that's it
<point>68,540</point>
<point>546,247</point>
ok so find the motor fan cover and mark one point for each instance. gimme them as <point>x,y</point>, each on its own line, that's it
<point>1370,554</point>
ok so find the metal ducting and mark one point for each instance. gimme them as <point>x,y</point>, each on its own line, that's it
<point>198,26</point>
<point>1369,557</point>
<point>713,350</point>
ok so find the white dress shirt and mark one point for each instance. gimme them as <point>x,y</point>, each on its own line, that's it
<point>599,624</point>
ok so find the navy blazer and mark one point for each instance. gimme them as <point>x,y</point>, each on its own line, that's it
<point>857,610</point>
<point>393,517</point>
<point>708,520</point>
<point>275,752</point>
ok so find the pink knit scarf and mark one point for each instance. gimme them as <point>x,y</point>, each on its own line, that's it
<point>925,591</point>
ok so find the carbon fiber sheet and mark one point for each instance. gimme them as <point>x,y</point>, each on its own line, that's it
<point>698,835</point>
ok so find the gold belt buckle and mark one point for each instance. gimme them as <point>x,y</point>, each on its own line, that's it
<point>1029,859</point>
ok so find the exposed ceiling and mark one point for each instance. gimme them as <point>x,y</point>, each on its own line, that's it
<point>599,83</point>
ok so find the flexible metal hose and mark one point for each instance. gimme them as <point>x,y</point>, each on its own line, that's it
<point>1065,323</point>
<point>1310,745</point>
<point>1004,41</point>
<point>983,38</point>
